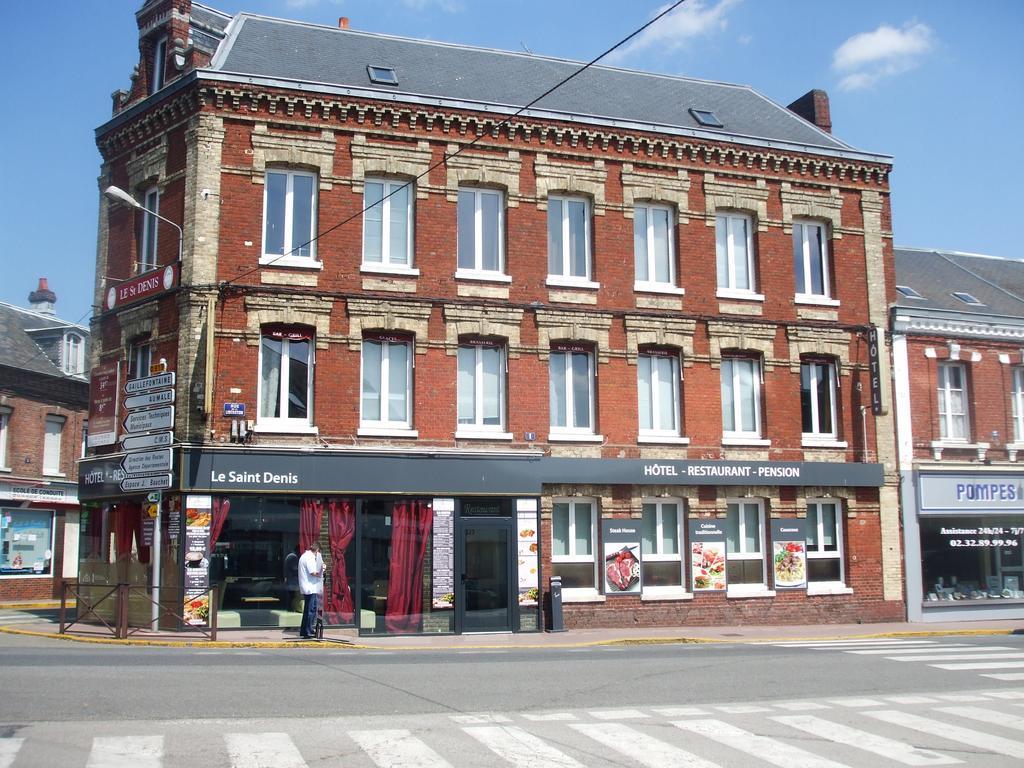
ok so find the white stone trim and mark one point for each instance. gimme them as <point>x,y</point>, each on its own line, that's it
<point>734,196</point>
<point>805,204</point>
<point>570,325</point>
<point>570,179</point>
<point>292,151</point>
<point>483,170</point>
<point>472,320</point>
<point>643,330</point>
<point>642,185</point>
<point>385,315</point>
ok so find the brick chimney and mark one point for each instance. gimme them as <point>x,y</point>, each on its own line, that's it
<point>42,298</point>
<point>343,22</point>
<point>813,107</point>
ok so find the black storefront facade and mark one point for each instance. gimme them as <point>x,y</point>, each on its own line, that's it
<point>415,541</point>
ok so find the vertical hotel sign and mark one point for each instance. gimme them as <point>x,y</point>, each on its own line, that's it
<point>103,390</point>
<point>875,369</point>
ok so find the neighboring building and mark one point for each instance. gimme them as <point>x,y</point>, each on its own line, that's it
<point>958,364</point>
<point>44,396</point>
<point>624,333</point>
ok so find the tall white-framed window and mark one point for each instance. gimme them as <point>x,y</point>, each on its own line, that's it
<point>824,541</point>
<point>818,400</point>
<point>285,390</point>
<point>744,545</point>
<point>658,389</point>
<point>149,233</point>
<point>734,254</point>
<point>158,67</point>
<point>388,224</point>
<point>661,544</point>
<point>571,391</point>
<point>85,440</point>
<point>569,239</point>
<point>481,388</point>
<point>289,218</point>
<point>741,397</point>
<point>73,354</point>
<point>1017,404</point>
<point>140,358</point>
<point>386,400</point>
<point>952,389</point>
<point>574,543</point>
<point>5,420</point>
<point>481,237</point>
<point>810,261</point>
<point>654,247</point>
<point>54,430</point>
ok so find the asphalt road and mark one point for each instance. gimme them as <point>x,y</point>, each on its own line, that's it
<point>507,707</point>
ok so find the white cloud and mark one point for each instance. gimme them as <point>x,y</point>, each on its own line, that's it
<point>868,57</point>
<point>448,6</point>
<point>692,19</point>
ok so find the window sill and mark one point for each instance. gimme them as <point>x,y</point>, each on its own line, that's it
<point>556,281</point>
<point>462,434</point>
<point>663,440</point>
<point>665,593</point>
<point>581,595</point>
<point>386,432</point>
<point>286,429</point>
<point>1011,450</point>
<point>482,276</point>
<point>816,301</point>
<point>658,288</point>
<point>752,442</point>
<point>6,469</point>
<point>570,437</point>
<point>828,588</point>
<point>938,446</point>
<point>810,441</point>
<point>739,295</point>
<point>48,473</point>
<point>733,592</point>
<point>291,262</point>
<point>388,269</point>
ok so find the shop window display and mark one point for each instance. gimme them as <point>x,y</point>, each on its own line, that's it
<point>26,542</point>
<point>973,558</point>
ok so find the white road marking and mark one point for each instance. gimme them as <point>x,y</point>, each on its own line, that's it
<point>617,714</point>
<point>1005,694</point>
<point>8,751</point>
<point>972,738</point>
<point>950,647</point>
<point>1008,677</point>
<point>982,665</point>
<point>542,717</point>
<point>263,750</point>
<point>854,737</point>
<point>644,749</point>
<point>961,696</point>
<point>801,706</point>
<point>397,749</point>
<point>854,643</point>
<point>958,657</point>
<point>522,749</point>
<point>126,752</point>
<point>480,719</point>
<point>741,709</point>
<point>990,716</point>
<point>762,747</point>
<point>909,699</point>
<point>856,702</point>
<point>681,711</point>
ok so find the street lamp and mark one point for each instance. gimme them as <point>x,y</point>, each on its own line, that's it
<point>118,195</point>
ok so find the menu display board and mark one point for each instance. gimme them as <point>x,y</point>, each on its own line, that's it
<point>621,564</point>
<point>527,556</point>
<point>198,516</point>
<point>707,553</point>
<point>103,388</point>
<point>789,553</point>
<point>443,595</point>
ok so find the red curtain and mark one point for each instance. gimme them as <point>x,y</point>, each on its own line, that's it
<point>137,528</point>
<point>311,512</point>
<point>341,525</point>
<point>124,529</point>
<point>220,516</point>
<point>411,522</point>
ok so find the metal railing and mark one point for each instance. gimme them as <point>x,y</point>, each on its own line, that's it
<point>121,595</point>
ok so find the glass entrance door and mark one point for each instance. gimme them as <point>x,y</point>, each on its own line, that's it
<point>485,600</point>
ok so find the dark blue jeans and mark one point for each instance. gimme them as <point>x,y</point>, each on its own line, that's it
<point>311,605</point>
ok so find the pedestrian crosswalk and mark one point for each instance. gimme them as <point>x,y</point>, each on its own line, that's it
<point>979,728</point>
<point>992,661</point>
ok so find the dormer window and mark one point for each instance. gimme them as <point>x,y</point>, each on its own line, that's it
<point>158,68</point>
<point>967,298</point>
<point>382,75</point>
<point>707,118</point>
<point>906,292</point>
<point>73,354</point>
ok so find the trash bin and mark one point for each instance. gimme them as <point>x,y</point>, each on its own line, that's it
<point>556,624</point>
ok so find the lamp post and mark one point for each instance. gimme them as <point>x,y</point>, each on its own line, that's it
<point>118,195</point>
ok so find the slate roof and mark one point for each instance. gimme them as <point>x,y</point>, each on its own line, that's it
<point>19,350</point>
<point>996,282</point>
<point>501,80</point>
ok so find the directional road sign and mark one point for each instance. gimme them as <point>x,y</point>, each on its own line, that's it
<point>152,440</point>
<point>160,381</point>
<point>147,462</point>
<point>151,420</point>
<point>146,483</point>
<point>149,399</point>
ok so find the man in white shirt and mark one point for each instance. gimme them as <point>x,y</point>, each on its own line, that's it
<point>311,584</point>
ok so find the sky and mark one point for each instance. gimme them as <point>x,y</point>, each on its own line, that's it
<point>937,84</point>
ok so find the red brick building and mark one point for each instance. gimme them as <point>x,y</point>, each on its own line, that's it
<point>621,337</point>
<point>44,396</point>
<point>959,378</point>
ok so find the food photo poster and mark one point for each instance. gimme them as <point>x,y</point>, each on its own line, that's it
<point>198,516</point>
<point>789,553</point>
<point>707,554</point>
<point>622,571</point>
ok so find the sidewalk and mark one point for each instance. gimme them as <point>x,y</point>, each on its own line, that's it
<point>25,619</point>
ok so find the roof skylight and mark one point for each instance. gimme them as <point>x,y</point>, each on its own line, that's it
<point>382,75</point>
<point>907,292</point>
<point>706,118</point>
<point>967,298</point>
